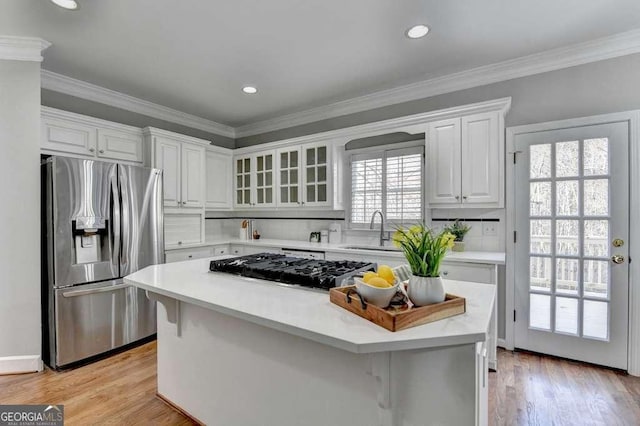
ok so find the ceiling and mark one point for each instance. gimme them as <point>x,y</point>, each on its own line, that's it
<point>195,55</point>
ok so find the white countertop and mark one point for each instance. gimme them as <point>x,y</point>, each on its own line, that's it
<point>310,314</point>
<point>485,257</point>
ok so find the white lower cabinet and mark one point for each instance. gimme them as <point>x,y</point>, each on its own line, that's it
<point>476,272</point>
<point>221,250</point>
<point>183,229</point>
<point>242,250</point>
<point>187,254</point>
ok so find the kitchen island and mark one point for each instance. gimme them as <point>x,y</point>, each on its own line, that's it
<point>241,351</point>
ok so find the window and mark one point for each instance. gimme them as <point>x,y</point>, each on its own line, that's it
<point>390,181</point>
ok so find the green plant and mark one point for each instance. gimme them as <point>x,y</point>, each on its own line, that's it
<point>458,229</point>
<point>423,248</point>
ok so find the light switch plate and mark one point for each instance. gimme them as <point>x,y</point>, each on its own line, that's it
<point>490,229</point>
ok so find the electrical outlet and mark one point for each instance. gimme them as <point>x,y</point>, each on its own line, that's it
<point>489,229</point>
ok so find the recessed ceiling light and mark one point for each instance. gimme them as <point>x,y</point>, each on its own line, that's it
<point>417,31</point>
<point>67,4</point>
<point>249,90</point>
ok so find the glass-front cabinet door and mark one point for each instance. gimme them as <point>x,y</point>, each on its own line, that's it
<point>289,177</point>
<point>264,185</point>
<point>242,170</point>
<point>315,174</point>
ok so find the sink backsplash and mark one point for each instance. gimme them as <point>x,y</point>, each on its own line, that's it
<point>299,229</point>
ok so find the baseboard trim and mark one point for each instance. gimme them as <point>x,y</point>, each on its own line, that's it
<point>178,409</point>
<point>501,343</point>
<point>20,364</point>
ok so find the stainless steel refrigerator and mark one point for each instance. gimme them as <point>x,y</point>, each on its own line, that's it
<point>101,221</point>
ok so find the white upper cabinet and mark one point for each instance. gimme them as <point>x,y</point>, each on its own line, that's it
<point>255,180</point>
<point>443,157</point>
<point>315,175</point>
<point>289,179</point>
<point>219,173</point>
<point>182,160</point>
<point>481,159</point>
<point>66,133</point>
<point>465,162</point>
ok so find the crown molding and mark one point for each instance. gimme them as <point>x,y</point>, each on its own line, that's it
<point>82,89</point>
<point>621,44</point>
<point>22,48</point>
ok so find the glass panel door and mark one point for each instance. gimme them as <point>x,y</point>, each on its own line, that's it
<point>315,175</point>
<point>289,186</point>
<point>570,206</point>
<point>243,182</point>
<point>264,180</point>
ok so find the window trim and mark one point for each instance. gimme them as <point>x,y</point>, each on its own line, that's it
<point>373,153</point>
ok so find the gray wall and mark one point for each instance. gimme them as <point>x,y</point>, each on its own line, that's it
<point>106,112</point>
<point>596,88</point>
<point>20,212</point>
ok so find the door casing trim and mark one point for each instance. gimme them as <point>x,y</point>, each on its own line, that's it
<point>633,120</point>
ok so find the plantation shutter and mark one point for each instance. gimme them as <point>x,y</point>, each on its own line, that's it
<point>390,181</point>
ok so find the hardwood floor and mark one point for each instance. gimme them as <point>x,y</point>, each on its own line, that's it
<point>531,389</point>
<point>120,390</point>
<point>528,389</point>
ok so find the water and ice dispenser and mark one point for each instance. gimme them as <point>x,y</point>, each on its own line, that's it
<point>90,239</point>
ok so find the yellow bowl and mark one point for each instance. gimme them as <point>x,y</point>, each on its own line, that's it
<point>376,295</point>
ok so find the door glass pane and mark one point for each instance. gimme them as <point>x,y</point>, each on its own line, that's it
<point>322,192</point>
<point>567,241</point>
<point>322,155</point>
<point>595,319</point>
<point>311,158</point>
<point>540,199</point>
<point>596,197</point>
<point>284,160</point>
<point>567,315</point>
<point>567,159</point>
<point>540,161</point>
<point>596,157</point>
<point>596,238</point>
<point>284,194</point>
<point>540,311</point>
<point>540,273</point>
<point>284,177</point>
<point>596,278</point>
<point>567,276</point>
<point>567,198</point>
<point>540,236</point>
<point>294,158</point>
<point>311,193</point>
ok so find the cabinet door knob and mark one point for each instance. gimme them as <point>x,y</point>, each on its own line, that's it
<point>92,150</point>
<point>190,256</point>
<point>179,243</point>
<point>464,197</point>
<point>101,151</point>
<point>457,197</point>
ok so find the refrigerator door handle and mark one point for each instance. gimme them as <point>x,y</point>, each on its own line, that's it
<point>116,223</point>
<point>76,293</point>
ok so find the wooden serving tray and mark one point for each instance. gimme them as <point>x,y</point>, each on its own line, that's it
<point>394,319</point>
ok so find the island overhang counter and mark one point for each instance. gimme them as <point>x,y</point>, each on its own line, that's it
<point>240,351</point>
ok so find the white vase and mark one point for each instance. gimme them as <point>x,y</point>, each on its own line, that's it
<point>458,246</point>
<point>425,290</point>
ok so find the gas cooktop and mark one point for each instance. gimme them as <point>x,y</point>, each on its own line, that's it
<point>308,273</point>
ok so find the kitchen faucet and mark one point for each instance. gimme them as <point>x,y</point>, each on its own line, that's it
<point>373,218</point>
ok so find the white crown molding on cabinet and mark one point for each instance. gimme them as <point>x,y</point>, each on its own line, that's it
<point>22,48</point>
<point>82,89</point>
<point>621,44</point>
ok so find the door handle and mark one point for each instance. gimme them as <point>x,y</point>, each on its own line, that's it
<point>77,293</point>
<point>617,259</point>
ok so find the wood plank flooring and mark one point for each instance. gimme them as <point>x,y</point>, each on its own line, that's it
<point>528,389</point>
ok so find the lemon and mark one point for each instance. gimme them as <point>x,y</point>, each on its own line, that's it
<point>378,282</point>
<point>368,275</point>
<point>386,273</point>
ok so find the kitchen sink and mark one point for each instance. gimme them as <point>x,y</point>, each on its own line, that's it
<point>374,248</point>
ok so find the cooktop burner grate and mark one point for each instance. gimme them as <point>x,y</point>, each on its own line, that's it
<point>311,273</point>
